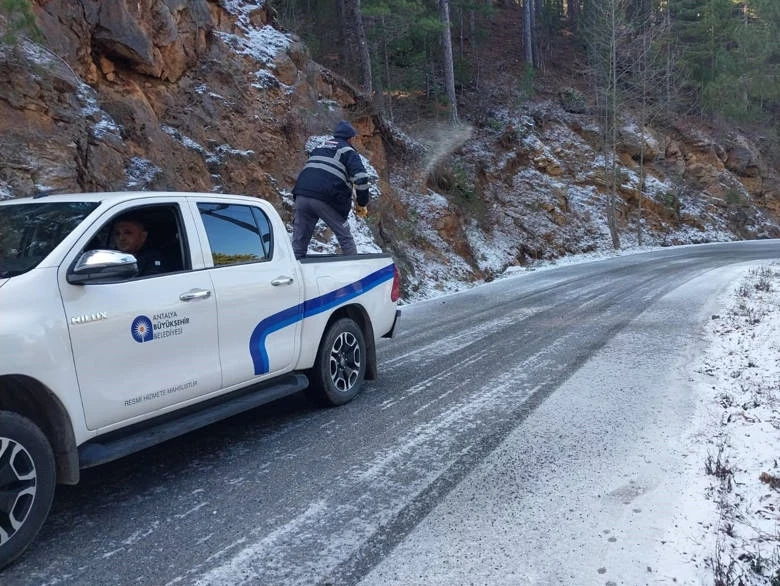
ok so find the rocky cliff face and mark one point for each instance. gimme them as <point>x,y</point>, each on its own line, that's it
<point>208,95</point>
<point>191,95</point>
<point>530,183</point>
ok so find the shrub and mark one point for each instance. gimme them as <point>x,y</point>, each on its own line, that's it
<point>573,101</point>
<point>733,197</point>
<point>19,19</point>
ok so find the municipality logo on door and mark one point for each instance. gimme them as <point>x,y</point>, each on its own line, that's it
<point>161,325</point>
<point>141,329</point>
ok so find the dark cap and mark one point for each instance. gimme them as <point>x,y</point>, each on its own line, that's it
<point>344,130</point>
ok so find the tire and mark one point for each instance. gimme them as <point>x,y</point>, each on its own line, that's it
<point>340,366</point>
<point>27,481</point>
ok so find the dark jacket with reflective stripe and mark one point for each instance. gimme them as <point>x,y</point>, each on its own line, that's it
<point>329,173</point>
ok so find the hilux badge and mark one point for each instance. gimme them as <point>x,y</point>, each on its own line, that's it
<point>90,317</point>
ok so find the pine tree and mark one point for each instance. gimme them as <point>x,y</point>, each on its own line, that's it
<point>729,57</point>
<point>752,86</point>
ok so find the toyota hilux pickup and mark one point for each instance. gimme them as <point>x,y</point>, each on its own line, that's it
<point>99,360</point>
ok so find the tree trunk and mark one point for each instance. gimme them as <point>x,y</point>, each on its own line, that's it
<point>449,66</point>
<point>355,18</point>
<point>475,46</point>
<point>388,101</point>
<point>536,8</point>
<point>613,115</point>
<point>614,230</point>
<point>643,118</point>
<point>528,44</point>
<point>346,36</point>
<point>573,13</point>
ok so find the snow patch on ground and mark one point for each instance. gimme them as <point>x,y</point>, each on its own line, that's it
<point>262,45</point>
<point>186,141</point>
<point>241,8</point>
<point>740,390</point>
<point>492,251</point>
<point>103,125</point>
<point>140,173</point>
<point>214,158</point>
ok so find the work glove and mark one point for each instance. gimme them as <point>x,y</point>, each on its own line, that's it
<point>361,211</point>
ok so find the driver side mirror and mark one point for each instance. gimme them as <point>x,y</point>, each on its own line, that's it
<point>101,266</point>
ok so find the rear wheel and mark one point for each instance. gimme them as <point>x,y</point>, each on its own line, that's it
<point>27,481</point>
<point>340,366</point>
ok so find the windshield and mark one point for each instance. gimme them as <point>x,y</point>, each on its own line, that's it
<point>30,231</point>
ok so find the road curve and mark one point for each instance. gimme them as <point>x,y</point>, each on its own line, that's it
<point>291,494</point>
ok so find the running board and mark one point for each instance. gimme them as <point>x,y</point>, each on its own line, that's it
<point>134,438</point>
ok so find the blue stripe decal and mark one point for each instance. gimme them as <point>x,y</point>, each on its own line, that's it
<point>309,308</point>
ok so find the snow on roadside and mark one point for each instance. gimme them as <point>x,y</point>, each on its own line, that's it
<point>740,375</point>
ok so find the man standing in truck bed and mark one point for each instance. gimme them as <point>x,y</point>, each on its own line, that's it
<point>324,190</point>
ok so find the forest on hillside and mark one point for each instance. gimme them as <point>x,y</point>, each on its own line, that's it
<point>715,59</point>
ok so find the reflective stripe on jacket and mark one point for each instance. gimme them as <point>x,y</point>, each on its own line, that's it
<point>329,173</point>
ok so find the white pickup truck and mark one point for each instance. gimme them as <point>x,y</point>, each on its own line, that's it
<point>97,362</point>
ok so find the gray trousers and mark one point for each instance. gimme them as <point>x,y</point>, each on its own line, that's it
<point>308,211</point>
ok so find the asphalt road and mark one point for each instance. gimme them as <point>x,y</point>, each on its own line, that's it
<point>292,494</point>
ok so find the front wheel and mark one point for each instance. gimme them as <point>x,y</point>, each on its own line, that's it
<point>27,480</point>
<point>340,366</point>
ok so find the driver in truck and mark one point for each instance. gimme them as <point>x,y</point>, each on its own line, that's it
<point>130,235</point>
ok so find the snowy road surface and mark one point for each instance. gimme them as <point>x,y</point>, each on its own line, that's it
<point>525,431</point>
<point>585,490</point>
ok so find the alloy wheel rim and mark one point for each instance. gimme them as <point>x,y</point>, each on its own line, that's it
<point>345,361</point>
<point>18,485</point>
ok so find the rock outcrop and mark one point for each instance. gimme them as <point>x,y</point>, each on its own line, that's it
<point>197,95</point>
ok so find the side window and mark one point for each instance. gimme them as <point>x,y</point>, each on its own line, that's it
<point>152,234</point>
<point>237,233</point>
<point>264,225</point>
